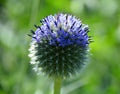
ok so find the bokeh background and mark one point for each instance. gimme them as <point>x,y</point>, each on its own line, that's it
<point>101,75</point>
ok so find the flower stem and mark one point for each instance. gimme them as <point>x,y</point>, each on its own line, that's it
<point>57,85</point>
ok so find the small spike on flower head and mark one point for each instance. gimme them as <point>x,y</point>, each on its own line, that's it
<point>59,47</point>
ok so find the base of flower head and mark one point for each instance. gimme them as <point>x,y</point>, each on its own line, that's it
<point>57,61</point>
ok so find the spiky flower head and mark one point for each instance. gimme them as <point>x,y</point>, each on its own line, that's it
<point>59,47</point>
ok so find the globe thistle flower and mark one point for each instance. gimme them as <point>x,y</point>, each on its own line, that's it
<point>60,46</point>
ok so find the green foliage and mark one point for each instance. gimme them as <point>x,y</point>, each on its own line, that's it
<point>101,76</point>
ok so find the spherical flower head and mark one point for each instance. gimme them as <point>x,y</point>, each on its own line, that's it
<point>60,46</point>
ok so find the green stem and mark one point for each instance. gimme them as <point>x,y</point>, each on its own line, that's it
<point>57,85</point>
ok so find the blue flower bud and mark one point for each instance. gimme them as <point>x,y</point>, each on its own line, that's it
<point>59,47</point>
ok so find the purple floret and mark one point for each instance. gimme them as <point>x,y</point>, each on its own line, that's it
<point>62,30</point>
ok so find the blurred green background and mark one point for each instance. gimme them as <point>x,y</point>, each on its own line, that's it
<point>101,75</point>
